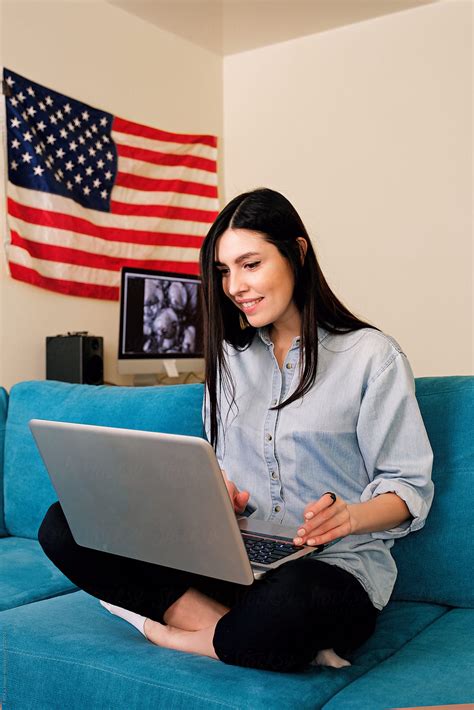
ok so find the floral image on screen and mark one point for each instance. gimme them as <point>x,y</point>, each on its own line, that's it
<point>170,314</point>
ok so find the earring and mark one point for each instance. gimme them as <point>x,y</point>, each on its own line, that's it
<point>243,322</point>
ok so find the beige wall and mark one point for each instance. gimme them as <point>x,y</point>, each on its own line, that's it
<point>368,130</point>
<point>108,58</point>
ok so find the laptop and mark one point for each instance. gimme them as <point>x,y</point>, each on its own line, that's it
<point>159,498</point>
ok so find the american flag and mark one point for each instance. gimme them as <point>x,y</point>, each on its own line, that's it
<point>89,192</point>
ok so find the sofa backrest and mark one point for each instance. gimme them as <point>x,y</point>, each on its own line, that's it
<point>3,420</point>
<point>435,564</point>
<point>28,491</point>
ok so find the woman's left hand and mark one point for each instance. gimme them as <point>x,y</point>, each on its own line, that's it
<point>325,520</point>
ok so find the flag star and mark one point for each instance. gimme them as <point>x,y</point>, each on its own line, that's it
<point>38,170</point>
<point>60,153</point>
<point>51,139</point>
<point>53,119</point>
<point>10,81</point>
<point>98,145</point>
<point>26,157</point>
<point>15,123</point>
<point>89,170</point>
<point>69,185</point>
<point>72,145</point>
<point>30,91</point>
<point>15,143</point>
<point>27,136</point>
<point>31,111</point>
<point>100,163</point>
<point>82,140</point>
<point>38,149</point>
<point>77,122</point>
<point>85,115</point>
<point>88,134</point>
<point>78,178</point>
<point>14,102</point>
<point>14,165</point>
<point>108,175</point>
<point>104,194</point>
<point>60,115</point>
<point>63,133</point>
<point>42,105</point>
<point>57,177</point>
<point>41,126</point>
<point>49,101</point>
<point>69,165</point>
<point>60,173</point>
<point>67,108</point>
<point>24,116</point>
<point>109,155</point>
<point>70,125</point>
<point>97,182</point>
<point>103,121</point>
<point>92,151</point>
<point>87,190</point>
<point>105,139</point>
<point>21,96</point>
<point>94,128</point>
<point>81,160</point>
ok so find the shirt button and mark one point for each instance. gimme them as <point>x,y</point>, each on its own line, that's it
<point>274,402</point>
<point>274,474</point>
<point>289,365</point>
<point>268,437</point>
<point>277,509</point>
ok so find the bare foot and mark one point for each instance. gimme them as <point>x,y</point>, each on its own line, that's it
<point>328,657</point>
<point>194,611</point>
<point>199,642</point>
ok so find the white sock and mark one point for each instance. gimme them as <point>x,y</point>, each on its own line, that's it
<point>328,657</point>
<point>135,619</point>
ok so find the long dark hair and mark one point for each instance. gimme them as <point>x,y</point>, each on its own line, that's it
<point>274,217</point>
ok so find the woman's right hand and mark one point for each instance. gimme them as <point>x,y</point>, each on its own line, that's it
<point>239,498</point>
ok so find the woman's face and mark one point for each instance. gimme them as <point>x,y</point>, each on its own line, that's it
<point>257,279</point>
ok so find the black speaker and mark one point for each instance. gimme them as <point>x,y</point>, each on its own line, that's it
<point>75,357</point>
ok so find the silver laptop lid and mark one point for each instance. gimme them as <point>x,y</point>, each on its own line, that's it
<point>155,497</point>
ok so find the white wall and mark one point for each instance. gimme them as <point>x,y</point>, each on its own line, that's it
<point>104,56</point>
<point>368,130</point>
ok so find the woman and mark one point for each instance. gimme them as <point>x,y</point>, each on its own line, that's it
<point>314,420</point>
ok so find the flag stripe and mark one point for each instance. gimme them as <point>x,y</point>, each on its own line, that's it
<point>69,288</point>
<point>165,211</point>
<point>198,149</point>
<point>88,219</point>
<point>165,172</point>
<point>138,129</point>
<point>151,196</point>
<point>142,182</point>
<point>113,249</point>
<point>76,225</point>
<point>84,258</point>
<point>153,156</point>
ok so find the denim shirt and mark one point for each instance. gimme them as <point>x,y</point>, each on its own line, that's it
<point>357,432</point>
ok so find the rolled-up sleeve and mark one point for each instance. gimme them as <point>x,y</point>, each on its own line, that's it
<point>394,444</point>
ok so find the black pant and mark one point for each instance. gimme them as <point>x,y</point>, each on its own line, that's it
<point>278,623</point>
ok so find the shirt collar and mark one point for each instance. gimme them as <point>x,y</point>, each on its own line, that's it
<point>265,337</point>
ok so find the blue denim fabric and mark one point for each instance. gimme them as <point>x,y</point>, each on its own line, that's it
<point>358,432</point>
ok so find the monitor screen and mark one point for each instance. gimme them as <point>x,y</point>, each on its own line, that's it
<point>160,316</point>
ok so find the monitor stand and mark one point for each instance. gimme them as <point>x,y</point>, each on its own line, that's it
<point>149,380</point>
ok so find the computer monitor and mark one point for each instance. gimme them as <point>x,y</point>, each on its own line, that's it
<point>161,325</point>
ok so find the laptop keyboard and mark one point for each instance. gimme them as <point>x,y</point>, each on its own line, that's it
<point>265,551</point>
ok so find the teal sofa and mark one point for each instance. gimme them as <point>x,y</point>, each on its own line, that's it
<point>62,650</point>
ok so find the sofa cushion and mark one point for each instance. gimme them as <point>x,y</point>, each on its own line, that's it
<point>27,574</point>
<point>28,491</point>
<point>3,419</point>
<point>92,659</point>
<point>435,564</point>
<point>434,668</point>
